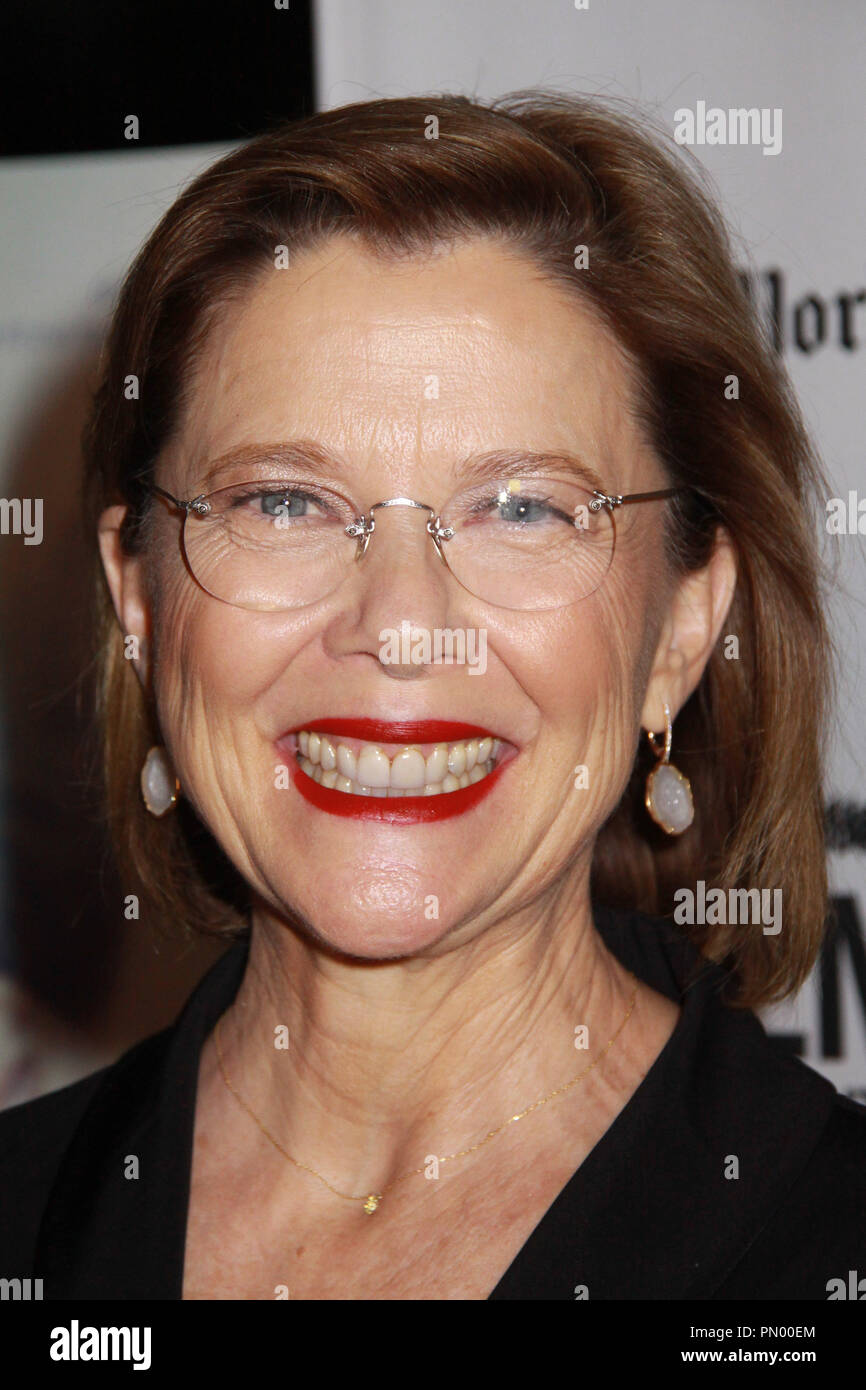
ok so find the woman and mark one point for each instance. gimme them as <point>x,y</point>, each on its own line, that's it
<point>383,393</point>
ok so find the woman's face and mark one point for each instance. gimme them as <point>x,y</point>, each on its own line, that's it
<point>401,372</point>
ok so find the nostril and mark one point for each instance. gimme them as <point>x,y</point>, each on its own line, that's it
<point>402,672</point>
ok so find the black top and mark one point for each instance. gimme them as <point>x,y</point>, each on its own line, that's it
<point>652,1212</point>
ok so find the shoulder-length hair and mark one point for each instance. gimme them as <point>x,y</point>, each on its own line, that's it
<point>544,173</point>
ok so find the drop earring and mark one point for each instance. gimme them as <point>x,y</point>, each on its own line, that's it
<point>160,787</point>
<point>668,793</point>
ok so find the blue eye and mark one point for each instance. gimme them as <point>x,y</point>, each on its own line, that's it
<point>512,507</point>
<point>284,504</point>
<point>274,505</point>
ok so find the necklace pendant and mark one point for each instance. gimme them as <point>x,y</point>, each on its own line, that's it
<point>371,1204</point>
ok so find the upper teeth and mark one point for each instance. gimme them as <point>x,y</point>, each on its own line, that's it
<point>367,766</point>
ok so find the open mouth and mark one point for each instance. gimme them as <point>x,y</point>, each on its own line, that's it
<point>423,770</point>
<point>395,770</point>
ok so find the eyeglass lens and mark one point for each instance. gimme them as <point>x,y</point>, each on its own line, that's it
<point>526,543</point>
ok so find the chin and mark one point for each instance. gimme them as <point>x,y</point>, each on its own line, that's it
<point>377,936</point>
<point>382,940</point>
<point>375,915</point>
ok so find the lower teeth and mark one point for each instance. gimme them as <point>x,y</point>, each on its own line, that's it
<point>343,784</point>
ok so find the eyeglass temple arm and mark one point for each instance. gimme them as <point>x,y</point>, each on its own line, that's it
<point>612,500</point>
<point>154,487</point>
<point>195,504</point>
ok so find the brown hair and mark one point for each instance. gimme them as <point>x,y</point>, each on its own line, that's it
<point>543,172</point>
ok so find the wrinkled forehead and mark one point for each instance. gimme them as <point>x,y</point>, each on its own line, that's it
<point>396,368</point>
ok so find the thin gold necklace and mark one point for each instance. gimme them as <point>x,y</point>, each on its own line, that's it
<point>371,1200</point>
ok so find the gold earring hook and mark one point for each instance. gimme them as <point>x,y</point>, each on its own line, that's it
<point>663,756</point>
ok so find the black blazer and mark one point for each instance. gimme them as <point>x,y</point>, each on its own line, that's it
<point>650,1213</point>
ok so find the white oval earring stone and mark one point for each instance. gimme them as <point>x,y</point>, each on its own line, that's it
<point>669,799</point>
<point>159,785</point>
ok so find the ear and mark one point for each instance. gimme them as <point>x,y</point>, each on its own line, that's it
<point>699,606</point>
<point>125,575</point>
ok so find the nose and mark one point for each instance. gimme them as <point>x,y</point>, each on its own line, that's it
<point>401,566</point>
<point>399,586</point>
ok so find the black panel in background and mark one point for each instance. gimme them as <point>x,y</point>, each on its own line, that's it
<point>192,71</point>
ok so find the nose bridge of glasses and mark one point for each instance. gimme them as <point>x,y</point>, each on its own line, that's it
<point>401,502</point>
<point>405,572</point>
<point>369,522</point>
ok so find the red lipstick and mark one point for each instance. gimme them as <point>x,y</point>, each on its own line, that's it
<point>398,731</point>
<point>401,810</point>
<point>404,810</point>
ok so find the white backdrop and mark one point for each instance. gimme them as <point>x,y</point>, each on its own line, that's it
<point>801,212</point>
<point>70,225</point>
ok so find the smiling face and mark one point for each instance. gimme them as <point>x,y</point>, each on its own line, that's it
<point>400,372</point>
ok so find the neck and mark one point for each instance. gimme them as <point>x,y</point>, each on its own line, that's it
<point>388,1062</point>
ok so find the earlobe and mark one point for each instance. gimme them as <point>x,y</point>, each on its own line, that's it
<point>125,578</point>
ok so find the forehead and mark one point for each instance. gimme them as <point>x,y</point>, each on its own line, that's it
<point>416,361</point>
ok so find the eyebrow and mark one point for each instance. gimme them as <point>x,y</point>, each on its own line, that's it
<point>304,455</point>
<point>296,454</point>
<point>504,461</point>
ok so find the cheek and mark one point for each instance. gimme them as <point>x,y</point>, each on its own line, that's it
<point>212,664</point>
<point>578,663</point>
<point>586,668</point>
